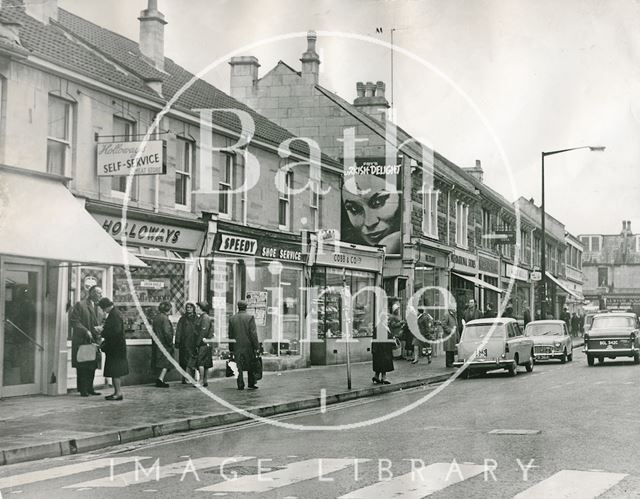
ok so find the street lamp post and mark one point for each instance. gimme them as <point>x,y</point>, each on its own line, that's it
<point>543,249</point>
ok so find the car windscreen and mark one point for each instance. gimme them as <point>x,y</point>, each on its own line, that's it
<point>480,331</point>
<point>612,321</point>
<point>544,330</point>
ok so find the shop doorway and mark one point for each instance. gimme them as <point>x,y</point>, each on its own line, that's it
<point>21,335</point>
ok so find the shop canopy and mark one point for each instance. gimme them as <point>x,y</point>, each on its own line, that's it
<point>479,282</point>
<point>40,218</point>
<point>563,287</point>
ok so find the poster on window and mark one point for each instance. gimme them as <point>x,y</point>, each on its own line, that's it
<point>257,306</point>
<point>372,204</point>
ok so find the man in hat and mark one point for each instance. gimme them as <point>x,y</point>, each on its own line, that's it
<point>245,347</point>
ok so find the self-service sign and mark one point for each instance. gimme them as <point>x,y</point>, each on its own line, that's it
<point>116,159</point>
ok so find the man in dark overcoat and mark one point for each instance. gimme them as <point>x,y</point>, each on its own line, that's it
<point>245,346</point>
<point>86,319</point>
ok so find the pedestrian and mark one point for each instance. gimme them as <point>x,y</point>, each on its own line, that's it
<point>86,322</point>
<point>204,351</point>
<point>163,329</point>
<point>538,315</point>
<point>575,324</point>
<point>527,316</point>
<point>581,322</point>
<point>396,326</point>
<point>450,330</point>
<point>472,312</point>
<point>425,326</point>
<point>244,347</point>
<point>115,348</point>
<point>508,311</point>
<point>489,312</point>
<point>382,351</point>
<point>186,340</point>
<point>566,317</point>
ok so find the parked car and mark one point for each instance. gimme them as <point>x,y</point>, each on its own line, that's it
<point>551,340</point>
<point>588,319</point>
<point>612,335</point>
<point>492,344</point>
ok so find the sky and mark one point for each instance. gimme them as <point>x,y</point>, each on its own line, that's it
<point>495,80</point>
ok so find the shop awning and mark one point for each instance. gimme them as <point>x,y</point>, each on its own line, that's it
<point>562,286</point>
<point>480,282</point>
<point>40,218</point>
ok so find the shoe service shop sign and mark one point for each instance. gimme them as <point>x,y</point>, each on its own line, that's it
<point>116,159</point>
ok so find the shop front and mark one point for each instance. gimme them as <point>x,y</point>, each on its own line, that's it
<point>431,275</point>
<point>267,269</point>
<point>170,247</point>
<point>464,269</point>
<point>41,241</point>
<point>489,272</point>
<point>343,301</point>
<point>521,291</point>
<point>559,294</point>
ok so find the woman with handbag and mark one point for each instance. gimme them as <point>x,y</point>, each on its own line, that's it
<point>186,339</point>
<point>115,348</point>
<point>382,351</point>
<point>163,329</point>
<point>204,351</point>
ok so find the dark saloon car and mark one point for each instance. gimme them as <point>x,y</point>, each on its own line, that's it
<point>613,335</point>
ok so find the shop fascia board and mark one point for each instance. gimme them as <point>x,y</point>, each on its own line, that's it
<point>155,105</point>
<point>429,243</point>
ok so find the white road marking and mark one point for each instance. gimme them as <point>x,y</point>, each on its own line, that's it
<point>63,471</point>
<point>143,474</point>
<point>293,473</point>
<point>323,400</point>
<point>514,432</point>
<point>420,483</point>
<point>570,484</point>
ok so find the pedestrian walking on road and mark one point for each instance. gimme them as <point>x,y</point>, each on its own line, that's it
<point>244,347</point>
<point>115,348</point>
<point>450,330</point>
<point>163,329</point>
<point>204,351</point>
<point>86,322</point>
<point>186,340</point>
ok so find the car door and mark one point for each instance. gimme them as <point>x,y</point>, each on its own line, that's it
<point>511,341</point>
<point>524,349</point>
<point>568,340</point>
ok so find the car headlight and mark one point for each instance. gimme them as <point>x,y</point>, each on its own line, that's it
<point>632,337</point>
<point>557,344</point>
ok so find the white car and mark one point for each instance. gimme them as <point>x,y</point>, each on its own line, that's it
<point>551,340</point>
<point>491,344</point>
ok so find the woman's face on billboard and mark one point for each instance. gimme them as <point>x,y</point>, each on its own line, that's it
<point>375,213</point>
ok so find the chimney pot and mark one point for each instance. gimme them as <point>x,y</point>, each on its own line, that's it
<point>310,60</point>
<point>478,163</point>
<point>380,88</point>
<point>360,89</point>
<point>152,34</point>
<point>369,89</point>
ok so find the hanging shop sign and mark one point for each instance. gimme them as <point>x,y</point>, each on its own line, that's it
<point>116,159</point>
<point>515,272</point>
<point>464,261</point>
<point>259,247</point>
<point>488,265</point>
<point>145,233</point>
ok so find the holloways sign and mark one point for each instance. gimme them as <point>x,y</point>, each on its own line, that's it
<point>116,159</point>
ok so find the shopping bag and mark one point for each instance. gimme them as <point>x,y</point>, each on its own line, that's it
<point>232,369</point>
<point>257,368</point>
<point>87,353</point>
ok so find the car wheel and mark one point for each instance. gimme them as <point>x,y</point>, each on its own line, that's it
<point>590,360</point>
<point>529,365</point>
<point>570,357</point>
<point>636,358</point>
<point>465,374</point>
<point>600,360</point>
<point>563,359</point>
<point>513,368</point>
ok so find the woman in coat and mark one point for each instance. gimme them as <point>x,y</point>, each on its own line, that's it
<point>114,346</point>
<point>163,329</point>
<point>450,331</point>
<point>382,351</point>
<point>204,353</point>
<point>187,339</point>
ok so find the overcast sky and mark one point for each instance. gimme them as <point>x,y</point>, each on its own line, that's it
<point>544,74</point>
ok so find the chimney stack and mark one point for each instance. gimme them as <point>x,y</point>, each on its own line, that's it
<point>244,75</point>
<point>478,173</point>
<point>310,60</point>
<point>371,100</point>
<point>152,34</point>
<point>42,10</point>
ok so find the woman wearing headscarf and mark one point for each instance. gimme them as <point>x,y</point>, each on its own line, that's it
<point>204,354</point>
<point>114,346</point>
<point>382,351</point>
<point>187,339</point>
<point>163,329</point>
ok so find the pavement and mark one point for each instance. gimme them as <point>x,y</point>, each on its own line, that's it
<point>39,427</point>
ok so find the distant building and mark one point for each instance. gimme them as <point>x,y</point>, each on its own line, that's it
<point>611,267</point>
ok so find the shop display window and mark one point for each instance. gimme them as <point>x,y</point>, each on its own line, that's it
<point>433,299</point>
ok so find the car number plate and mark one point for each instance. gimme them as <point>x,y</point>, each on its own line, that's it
<point>543,357</point>
<point>481,354</point>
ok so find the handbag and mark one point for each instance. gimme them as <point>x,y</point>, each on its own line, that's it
<point>257,368</point>
<point>232,369</point>
<point>87,352</point>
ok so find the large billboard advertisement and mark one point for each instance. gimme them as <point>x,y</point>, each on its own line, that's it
<point>372,204</point>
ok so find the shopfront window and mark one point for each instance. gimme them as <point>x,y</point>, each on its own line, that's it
<point>434,299</point>
<point>330,283</point>
<point>162,280</point>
